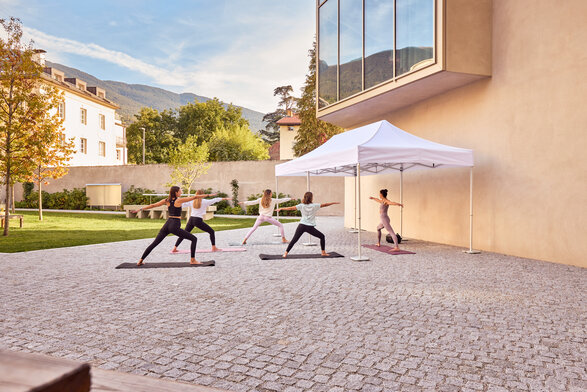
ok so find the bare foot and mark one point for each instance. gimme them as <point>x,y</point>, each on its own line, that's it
<point>325,254</point>
<point>214,248</point>
<point>174,250</point>
<point>244,242</point>
<point>285,255</point>
<point>284,240</point>
<point>194,261</point>
<point>395,249</point>
<point>378,244</point>
<point>141,262</point>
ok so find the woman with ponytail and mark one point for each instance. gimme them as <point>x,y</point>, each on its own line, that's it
<point>173,224</point>
<point>266,207</point>
<point>385,223</point>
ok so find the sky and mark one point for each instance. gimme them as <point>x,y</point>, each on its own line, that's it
<point>236,50</point>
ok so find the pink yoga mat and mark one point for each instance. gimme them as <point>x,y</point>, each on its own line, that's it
<point>209,250</point>
<point>388,250</point>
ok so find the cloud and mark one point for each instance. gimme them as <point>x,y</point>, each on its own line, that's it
<point>244,70</point>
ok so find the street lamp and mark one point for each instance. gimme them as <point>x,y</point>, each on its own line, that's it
<point>143,144</point>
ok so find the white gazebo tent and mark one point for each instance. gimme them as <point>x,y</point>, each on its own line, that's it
<point>374,149</point>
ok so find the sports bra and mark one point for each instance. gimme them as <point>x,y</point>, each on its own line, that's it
<point>173,210</point>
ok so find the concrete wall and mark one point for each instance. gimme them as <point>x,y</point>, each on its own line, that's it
<point>253,177</point>
<point>527,127</point>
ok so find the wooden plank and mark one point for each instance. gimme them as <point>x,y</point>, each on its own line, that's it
<point>110,381</point>
<point>21,372</point>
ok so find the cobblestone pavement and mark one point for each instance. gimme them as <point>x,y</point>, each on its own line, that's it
<point>438,320</point>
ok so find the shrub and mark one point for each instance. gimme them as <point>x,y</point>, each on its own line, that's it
<point>134,196</point>
<point>75,199</point>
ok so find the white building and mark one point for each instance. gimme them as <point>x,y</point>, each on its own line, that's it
<point>90,119</point>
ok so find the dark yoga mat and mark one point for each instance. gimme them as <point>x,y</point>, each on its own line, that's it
<point>263,256</point>
<point>211,263</point>
<point>388,250</point>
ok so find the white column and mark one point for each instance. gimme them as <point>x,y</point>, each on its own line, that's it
<point>359,257</point>
<point>471,251</point>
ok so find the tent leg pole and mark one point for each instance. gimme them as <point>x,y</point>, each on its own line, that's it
<point>278,233</point>
<point>359,257</point>
<point>471,251</point>
<point>401,201</point>
<point>354,228</point>
<point>309,243</point>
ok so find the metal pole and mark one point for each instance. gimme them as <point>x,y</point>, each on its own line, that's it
<point>278,233</point>
<point>143,145</point>
<point>471,251</point>
<point>359,257</point>
<point>354,228</point>
<point>309,243</point>
<point>401,200</point>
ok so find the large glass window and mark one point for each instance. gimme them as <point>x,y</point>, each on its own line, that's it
<point>415,34</point>
<point>328,53</point>
<point>351,47</point>
<point>378,41</point>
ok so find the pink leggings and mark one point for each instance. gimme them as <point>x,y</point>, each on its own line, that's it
<point>264,218</point>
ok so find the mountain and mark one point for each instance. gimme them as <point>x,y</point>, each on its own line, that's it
<point>132,97</point>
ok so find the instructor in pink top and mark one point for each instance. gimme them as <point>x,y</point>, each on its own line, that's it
<point>266,207</point>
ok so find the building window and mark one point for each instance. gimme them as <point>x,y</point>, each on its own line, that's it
<point>59,78</point>
<point>84,116</point>
<point>83,147</point>
<point>61,110</point>
<point>368,42</point>
<point>290,128</point>
<point>118,155</point>
<point>102,121</point>
<point>102,149</point>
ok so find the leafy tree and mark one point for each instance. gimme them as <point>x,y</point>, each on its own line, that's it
<point>27,107</point>
<point>160,136</point>
<point>237,143</point>
<point>286,102</point>
<point>189,161</point>
<point>312,132</point>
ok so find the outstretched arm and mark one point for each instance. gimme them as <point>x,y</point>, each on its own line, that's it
<point>181,200</point>
<point>328,204</point>
<point>392,203</point>
<point>292,208</point>
<point>157,204</point>
<point>376,199</point>
<point>250,202</point>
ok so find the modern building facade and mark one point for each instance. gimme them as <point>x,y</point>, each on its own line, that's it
<point>504,78</point>
<point>288,129</point>
<point>90,119</point>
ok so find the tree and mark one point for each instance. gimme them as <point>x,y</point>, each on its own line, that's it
<point>25,106</point>
<point>237,143</point>
<point>286,102</point>
<point>189,161</point>
<point>312,132</point>
<point>160,136</point>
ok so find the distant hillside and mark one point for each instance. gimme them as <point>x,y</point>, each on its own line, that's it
<point>132,97</point>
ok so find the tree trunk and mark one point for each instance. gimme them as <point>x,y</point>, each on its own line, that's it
<point>40,202</point>
<point>7,209</point>
<point>13,207</point>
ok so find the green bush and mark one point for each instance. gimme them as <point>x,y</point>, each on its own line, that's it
<point>134,196</point>
<point>254,209</point>
<point>75,199</point>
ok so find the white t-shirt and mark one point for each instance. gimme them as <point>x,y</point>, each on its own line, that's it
<point>269,210</point>
<point>308,213</point>
<point>200,212</point>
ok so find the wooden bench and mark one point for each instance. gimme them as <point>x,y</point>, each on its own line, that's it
<point>3,219</point>
<point>161,212</point>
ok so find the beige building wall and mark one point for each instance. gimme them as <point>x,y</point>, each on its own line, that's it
<point>527,126</point>
<point>253,177</point>
<point>286,141</point>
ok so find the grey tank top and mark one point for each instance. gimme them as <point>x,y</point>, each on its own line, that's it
<point>383,210</point>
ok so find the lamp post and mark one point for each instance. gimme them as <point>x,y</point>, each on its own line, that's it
<point>143,144</point>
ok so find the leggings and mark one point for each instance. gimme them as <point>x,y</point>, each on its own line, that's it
<point>265,218</point>
<point>386,223</point>
<point>200,224</point>
<point>172,226</point>
<point>307,229</point>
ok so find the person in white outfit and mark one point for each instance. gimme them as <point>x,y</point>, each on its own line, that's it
<point>199,207</point>
<point>266,207</point>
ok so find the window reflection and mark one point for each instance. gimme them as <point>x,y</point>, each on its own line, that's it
<point>351,47</point>
<point>328,52</point>
<point>378,41</point>
<point>415,34</point>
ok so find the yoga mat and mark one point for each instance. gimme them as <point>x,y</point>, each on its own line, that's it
<point>186,251</point>
<point>256,243</point>
<point>209,263</point>
<point>263,256</point>
<point>388,250</point>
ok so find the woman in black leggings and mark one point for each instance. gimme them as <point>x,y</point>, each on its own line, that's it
<point>308,221</point>
<point>173,224</point>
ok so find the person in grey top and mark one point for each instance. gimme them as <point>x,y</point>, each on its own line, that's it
<point>308,221</point>
<point>385,223</point>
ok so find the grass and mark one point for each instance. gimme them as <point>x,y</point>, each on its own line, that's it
<point>60,229</point>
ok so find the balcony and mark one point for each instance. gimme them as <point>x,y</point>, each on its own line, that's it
<point>120,141</point>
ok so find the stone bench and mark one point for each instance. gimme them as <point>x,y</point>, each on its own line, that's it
<point>161,212</point>
<point>3,219</point>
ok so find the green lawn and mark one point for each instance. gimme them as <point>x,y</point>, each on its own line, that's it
<point>59,229</point>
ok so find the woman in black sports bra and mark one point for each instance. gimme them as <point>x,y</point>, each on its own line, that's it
<point>173,224</point>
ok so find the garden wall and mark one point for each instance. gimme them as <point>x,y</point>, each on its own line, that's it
<point>252,176</point>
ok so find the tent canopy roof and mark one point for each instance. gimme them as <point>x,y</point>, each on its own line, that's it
<point>378,147</point>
